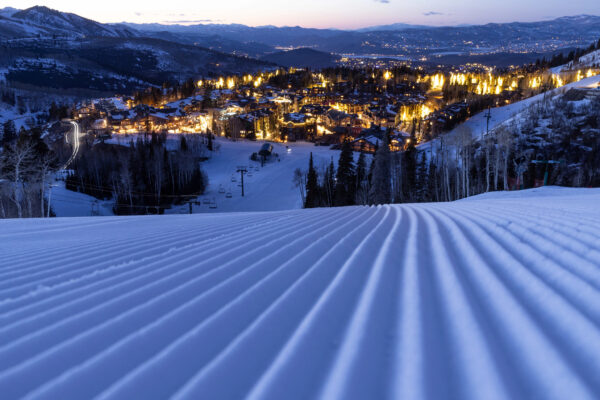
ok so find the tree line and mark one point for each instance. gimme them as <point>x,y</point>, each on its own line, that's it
<point>26,164</point>
<point>144,177</point>
<point>554,143</point>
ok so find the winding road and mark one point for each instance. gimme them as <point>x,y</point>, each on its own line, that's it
<point>76,135</point>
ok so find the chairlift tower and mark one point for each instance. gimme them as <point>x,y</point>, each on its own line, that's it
<point>242,170</point>
<point>488,116</point>
<point>546,162</point>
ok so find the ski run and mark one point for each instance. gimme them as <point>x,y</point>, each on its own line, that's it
<point>494,297</point>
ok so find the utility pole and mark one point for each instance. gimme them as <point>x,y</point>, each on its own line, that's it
<point>242,171</point>
<point>488,117</point>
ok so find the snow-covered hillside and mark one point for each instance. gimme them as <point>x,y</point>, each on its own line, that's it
<point>44,21</point>
<point>495,297</point>
<point>499,115</point>
<point>269,188</point>
<point>590,60</point>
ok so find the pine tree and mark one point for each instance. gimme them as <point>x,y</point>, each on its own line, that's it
<point>361,178</point>
<point>312,187</point>
<point>410,170</point>
<point>210,142</point>
<point>183,146</point>
<point>381,186</point>
<point>421,179</point>
<point>372,166</point>
<point>345,187</point>
<point>329,185</point>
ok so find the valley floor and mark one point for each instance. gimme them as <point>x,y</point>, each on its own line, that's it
<point>493,297</point>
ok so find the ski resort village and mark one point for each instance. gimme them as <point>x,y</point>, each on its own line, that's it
<point>375,201</point>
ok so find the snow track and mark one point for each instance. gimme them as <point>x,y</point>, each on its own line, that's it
<point>497,297</point>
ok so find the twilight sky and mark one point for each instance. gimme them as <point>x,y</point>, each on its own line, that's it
<point>345,14</point>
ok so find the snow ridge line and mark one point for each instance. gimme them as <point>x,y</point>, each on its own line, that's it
<point>131,268</point>
<point>313,281</point>
<point>292,348</point>
<point>89,250</point>
<point>131,313</point>
<point>485,298</point>
<point>41,318</point>
<point>567,263</point>
<point>123,378</point>
<point>152,250</point>
<point>552,333</point>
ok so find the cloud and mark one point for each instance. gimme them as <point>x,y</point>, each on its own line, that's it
<point>192,21</point>
<point>432,13</point>
<point>382,1</point>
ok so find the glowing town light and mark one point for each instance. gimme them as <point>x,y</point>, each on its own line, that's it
<point>458,79</point>
<point>387,75</point>
<point>557,80</point>
<point>425,111</point>
<point>535,83</point>
<point>230,83</point>
<point>200,83</point>
<point>437,82</point>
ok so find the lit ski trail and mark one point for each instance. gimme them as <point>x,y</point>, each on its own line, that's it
<point>493,297</point>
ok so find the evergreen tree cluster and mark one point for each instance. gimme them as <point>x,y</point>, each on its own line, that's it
<point>144,178</point>
<point>562,59</point>
<point>352,183</point>
<point>554,141</point>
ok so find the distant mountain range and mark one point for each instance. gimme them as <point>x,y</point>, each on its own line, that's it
<point>41,46</point>
<point>413,41</point>
<point>44,48</point>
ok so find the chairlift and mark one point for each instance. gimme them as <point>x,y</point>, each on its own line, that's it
<point>233,179</point>
<point>221,189</point>
<point>229,195</point>
<point>206,201</point>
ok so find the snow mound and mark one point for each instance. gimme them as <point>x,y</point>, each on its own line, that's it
<point>494,297</point>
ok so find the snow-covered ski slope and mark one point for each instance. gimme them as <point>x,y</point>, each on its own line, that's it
<point>500,115</point>
<point>496,297</point>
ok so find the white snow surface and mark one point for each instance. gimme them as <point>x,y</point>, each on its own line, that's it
<point>494,297</point>
<point>270,188</point>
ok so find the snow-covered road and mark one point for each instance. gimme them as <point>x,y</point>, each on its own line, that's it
<point>496,297</point>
